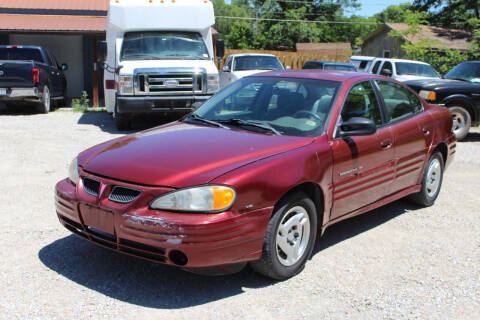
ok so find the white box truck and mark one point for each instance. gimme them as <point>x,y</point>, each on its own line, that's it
<point>159,57</point>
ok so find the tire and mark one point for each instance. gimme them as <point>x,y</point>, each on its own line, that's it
<point>123,122</point>
<point>45,104</point>
<point>462,121</point>
<point>431,182</point>
<point>289,239</point>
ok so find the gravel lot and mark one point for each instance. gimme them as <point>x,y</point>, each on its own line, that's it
<point>400,261</point>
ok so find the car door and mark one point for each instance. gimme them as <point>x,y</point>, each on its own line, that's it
<point>412,130</point>
<point>363,165</point>
<point>55,76</point>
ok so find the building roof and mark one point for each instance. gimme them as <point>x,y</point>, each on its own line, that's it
<point>442,37</point>
<point>325,46</point>
<point>95,5</point>
<point>58,23</point>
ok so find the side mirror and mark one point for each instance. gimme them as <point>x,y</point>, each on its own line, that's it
<point>220,46</point>
<point>102,51</point>
<point>197,104</point>
<point>288,68</point>
<point>226,69</point>
<point>357,126</point>
<point>386,72</point>
<point>64,67</point>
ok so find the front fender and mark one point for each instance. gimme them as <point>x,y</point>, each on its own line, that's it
<point>465,101</point>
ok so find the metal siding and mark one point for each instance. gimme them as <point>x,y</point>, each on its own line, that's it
<point>56,4</point>
<point>23,22</point>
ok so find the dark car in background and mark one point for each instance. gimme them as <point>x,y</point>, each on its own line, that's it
<point>329,65</point>
<point>30,74</point>
<point>459,90</point>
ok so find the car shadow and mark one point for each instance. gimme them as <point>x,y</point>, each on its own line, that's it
<point>19,110</point>
<point>106,122</point>
<point>472,137</point>
<point>349,228</point>
<point>138,281</point>
<point>154,285</point>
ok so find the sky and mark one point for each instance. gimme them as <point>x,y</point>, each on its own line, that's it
<point>370,7</point>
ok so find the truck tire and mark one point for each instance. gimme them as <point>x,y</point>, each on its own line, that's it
<point>45,103</point>
<point>462,121</point>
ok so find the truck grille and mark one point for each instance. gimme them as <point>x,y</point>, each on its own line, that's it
<point>157,82</point>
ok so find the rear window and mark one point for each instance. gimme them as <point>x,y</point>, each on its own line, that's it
<point>21,54</point>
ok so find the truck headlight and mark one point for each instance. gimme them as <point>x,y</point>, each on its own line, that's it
<point>125,85</point>
<point>212,83</point>
<point>73,171</point>
<point>206,199</point>
<point>428,95</point>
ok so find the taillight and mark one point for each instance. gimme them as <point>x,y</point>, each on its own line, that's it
<point>35,75</point>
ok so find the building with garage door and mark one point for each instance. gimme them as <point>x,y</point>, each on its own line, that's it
<point>69,29</point>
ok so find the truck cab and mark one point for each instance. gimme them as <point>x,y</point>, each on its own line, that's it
<point>160,58</point>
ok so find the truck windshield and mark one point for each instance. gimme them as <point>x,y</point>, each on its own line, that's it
<point>163,45</point>
<point>256,63</point>
<point>293,107</point>
<point>416,69</point>
<point>20,54</point>
<point>465,71</point>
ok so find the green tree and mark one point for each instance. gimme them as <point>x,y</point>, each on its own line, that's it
<point>394,13</point>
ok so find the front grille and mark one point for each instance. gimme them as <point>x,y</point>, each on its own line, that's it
<point>91,186</point>
<point>123,195</point>
<point>169,82</point>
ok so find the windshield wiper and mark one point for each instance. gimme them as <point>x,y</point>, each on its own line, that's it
<point>240,122</point>
<point>210,122</point>
<point>460,79</point>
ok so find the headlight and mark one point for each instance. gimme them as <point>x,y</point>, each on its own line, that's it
<point>197,199</point>
<point>213,84</point>
<point>125,85</point>
<point>428,95</point>
<point>73,171</point>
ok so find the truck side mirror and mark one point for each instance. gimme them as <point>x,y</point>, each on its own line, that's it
<point>220,46</point>
<point>64,67</point>
<point>102,51</point>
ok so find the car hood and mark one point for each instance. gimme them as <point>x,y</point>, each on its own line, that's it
<point>180,154</point>
<point>439,84</point>
<point>246,73</point>
<point>405,77</point>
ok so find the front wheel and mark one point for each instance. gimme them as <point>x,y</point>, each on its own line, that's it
<point>44,106</point>
<point>462,121</point>
<point>431,182</point>
<point>289,239</point>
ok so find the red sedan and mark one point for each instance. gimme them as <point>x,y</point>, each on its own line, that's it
<point>258,171</point>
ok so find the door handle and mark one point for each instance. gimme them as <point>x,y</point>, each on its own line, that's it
<point>386,144</point>
<point>426,131</point>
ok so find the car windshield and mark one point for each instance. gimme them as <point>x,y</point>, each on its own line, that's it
<point>416,69</point>
<point>256,63</point>
<point>465,71</point>
<point>293,107</point>
<point>341,67</point>
<point>163,45</point>
<point>20,54</point>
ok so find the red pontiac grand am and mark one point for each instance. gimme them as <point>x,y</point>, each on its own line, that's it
<point>259,170</point>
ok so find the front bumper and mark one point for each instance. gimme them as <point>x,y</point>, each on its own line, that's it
<point>205,239</point>
<point>23,94</point>
<point>165,104</point>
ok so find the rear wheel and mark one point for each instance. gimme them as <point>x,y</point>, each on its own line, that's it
<point>432,181</point>
<point>462,121</point>
<point>289,239</point>
<point>44,106</point>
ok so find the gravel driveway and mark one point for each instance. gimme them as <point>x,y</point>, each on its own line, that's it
<point>400,261</point>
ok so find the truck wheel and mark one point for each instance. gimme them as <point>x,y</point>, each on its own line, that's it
<point>123,122</point>
<point>289,239</point>
<point>431,182</point>
<point>44,106</point>
<point>461,121</point>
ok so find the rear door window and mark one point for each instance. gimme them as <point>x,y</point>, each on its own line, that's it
<point>399,101</point>
<point>376,66</point>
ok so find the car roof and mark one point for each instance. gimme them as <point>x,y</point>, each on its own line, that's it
<point>19,46</point>
<point>401,60</point>
<point>252,54</point>
<point>331,75</point>
<point>367,58</point>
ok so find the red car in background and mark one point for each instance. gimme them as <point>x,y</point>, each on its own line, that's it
<point>257,171</point>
